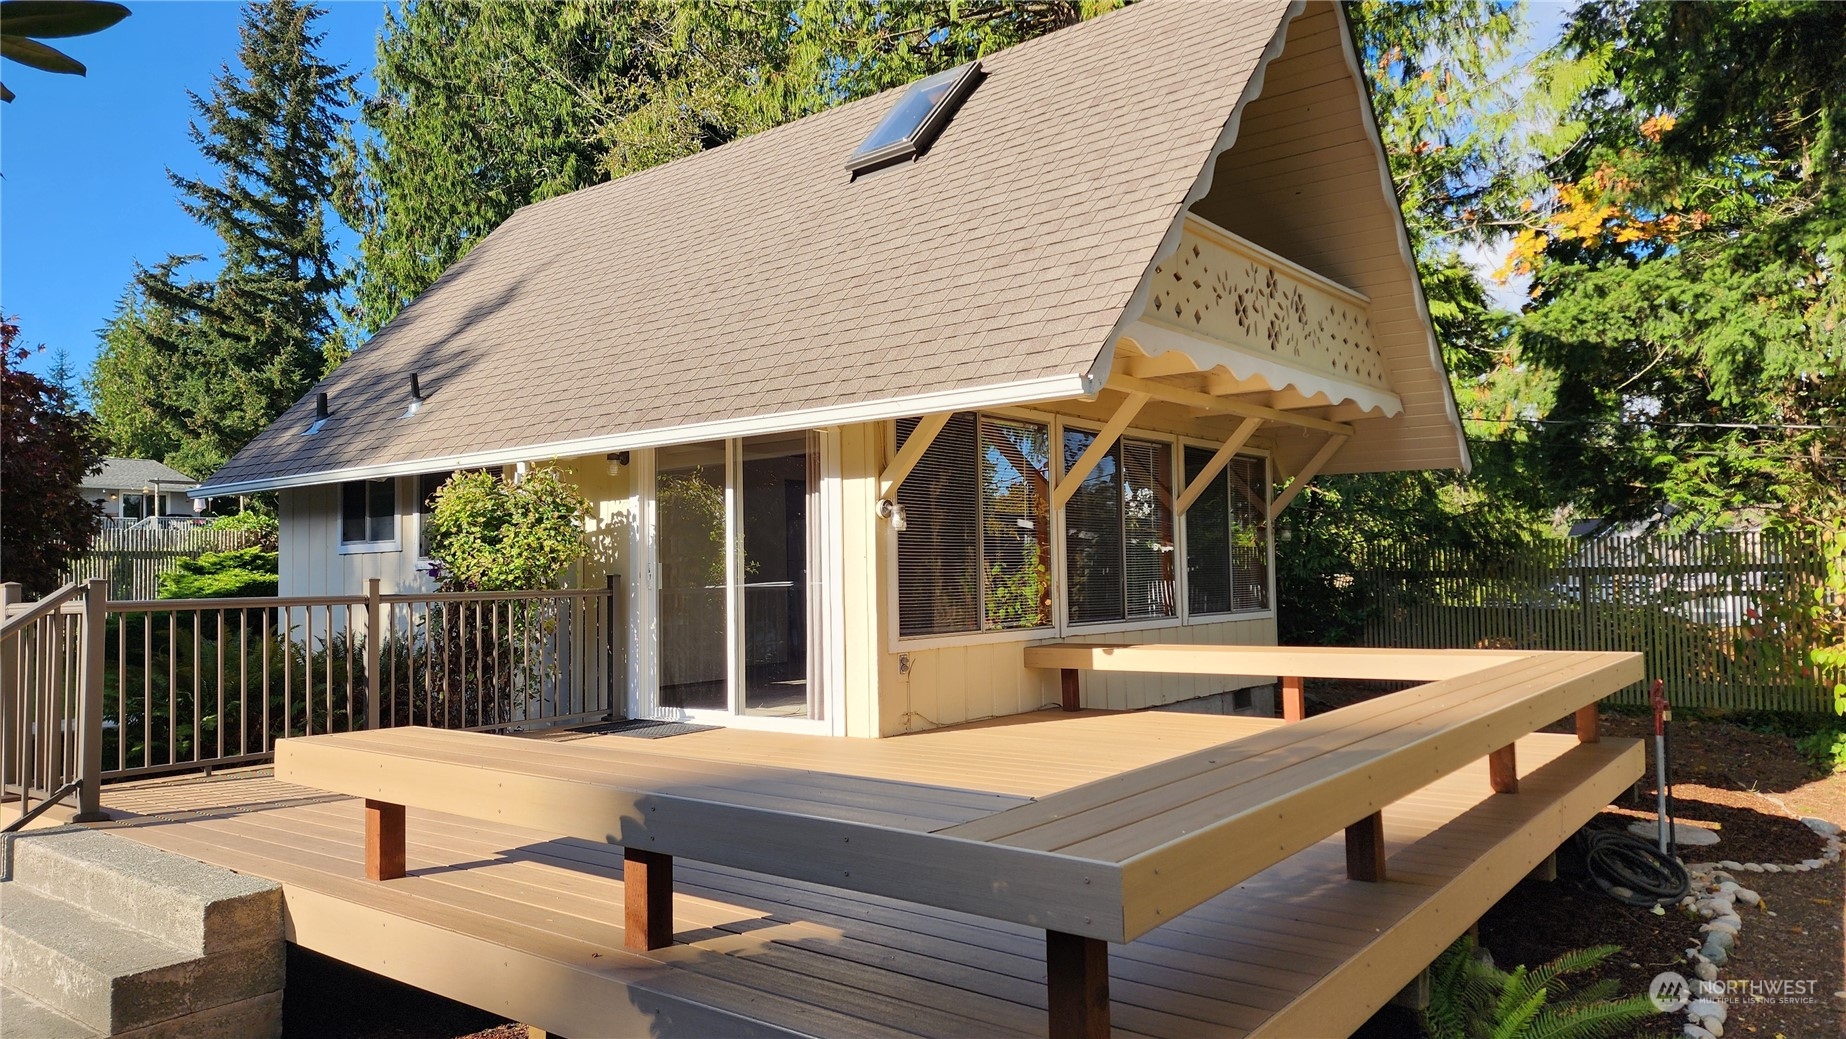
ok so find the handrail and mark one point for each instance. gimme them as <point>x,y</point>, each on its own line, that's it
<point>41,608</point>
<point>253,602</point>
<point>500,596</point>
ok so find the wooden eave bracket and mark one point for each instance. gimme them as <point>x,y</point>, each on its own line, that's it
<point>1224,406</point>
<point>1218,461</point>
<point>912,452</point>
<point>1073,478</point>
<point>1306,475</point>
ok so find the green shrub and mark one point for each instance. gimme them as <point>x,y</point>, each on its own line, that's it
<point>223,575</point>
<point>1470,998</point>
<point>1826,748</point>
<point>259,525</point>
<point>487,533</point>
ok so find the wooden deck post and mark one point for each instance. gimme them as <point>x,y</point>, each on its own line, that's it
<point>647,899</point>
<point>1069,688</point>
<point>1294,699</point>
<point>1077,985</point>
<point>1589,724</point>
<point>1503,770</point>
<point>384,840</point>
<point>1365,849</point>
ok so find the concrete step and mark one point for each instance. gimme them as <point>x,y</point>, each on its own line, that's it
<point>22,1017</point>
<point>113,979</point>
<point>198,908</point>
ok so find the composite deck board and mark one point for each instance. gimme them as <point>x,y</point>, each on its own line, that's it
<point>757,952</point>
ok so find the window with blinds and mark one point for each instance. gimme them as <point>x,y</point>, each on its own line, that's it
<point>975,551</point>
<point>368,511</point>
<point>1227,537</point>
<point>1118,538</point>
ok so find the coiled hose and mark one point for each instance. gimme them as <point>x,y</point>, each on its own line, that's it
<point>1616,859</point>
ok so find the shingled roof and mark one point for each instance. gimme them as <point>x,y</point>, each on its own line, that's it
<point>758,287</point>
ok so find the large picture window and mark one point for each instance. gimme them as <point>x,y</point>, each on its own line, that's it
<point>1227,537</point>
<point>975,554</point>
<point>1118,541</point>
<point>368,512</point>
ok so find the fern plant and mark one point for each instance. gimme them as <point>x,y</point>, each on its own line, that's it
<point>1470,998</point>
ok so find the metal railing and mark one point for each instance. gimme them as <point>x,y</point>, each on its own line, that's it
<point>92,688</point>
<point>49,715</point>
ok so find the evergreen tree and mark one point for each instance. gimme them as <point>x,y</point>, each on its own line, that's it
<point>132,392</point>
<point>1688,333</point>
<point>233,351</point>
<point>481,109</point>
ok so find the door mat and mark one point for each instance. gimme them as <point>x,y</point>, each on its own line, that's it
<point>640,728</point>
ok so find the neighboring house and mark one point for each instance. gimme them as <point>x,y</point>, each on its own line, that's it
<point>862,421</point>
<point>129,490</point>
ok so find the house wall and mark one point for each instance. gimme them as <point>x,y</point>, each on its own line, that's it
<point>312,562</point>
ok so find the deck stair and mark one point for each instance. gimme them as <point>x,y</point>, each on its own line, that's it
<point>103,936</point>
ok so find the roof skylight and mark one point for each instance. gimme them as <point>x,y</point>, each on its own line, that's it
<point>913,124</point>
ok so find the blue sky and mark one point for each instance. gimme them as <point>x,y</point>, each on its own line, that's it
<point>83,187</point>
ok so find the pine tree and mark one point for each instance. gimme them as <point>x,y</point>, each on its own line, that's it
<point>237,349</point>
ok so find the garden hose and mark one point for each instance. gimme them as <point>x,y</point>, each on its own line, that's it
<point>1616,859</point>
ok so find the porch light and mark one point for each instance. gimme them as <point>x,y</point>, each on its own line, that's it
<point>890,510</point>
<point>617,459</point>
<point>919,117</point>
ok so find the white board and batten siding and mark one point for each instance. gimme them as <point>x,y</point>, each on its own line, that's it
<point>313,562</point>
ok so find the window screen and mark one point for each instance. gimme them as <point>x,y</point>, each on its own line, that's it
<point>975,551</point>
<point>1227,537</point>
<point>368,511</point>
<point>1118,538</point>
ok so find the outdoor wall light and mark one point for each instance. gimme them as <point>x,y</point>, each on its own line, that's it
<point>888,509</point>
<point>617,459</point>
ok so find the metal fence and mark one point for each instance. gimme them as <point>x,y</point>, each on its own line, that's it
<point>143,687</point>
<point>133,560</point>
<point>1716,614</point>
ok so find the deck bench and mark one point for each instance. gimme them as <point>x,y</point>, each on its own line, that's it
<point>1107,861</point>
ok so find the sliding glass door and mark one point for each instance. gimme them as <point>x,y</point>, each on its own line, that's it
<point>736,547</point>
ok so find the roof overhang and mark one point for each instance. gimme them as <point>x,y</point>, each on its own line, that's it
<point>993,396</point>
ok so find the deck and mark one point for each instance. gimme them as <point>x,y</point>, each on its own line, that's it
<point>528,927</point>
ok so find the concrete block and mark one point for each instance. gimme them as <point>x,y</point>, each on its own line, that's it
<point>22,1017</point>
<point>113,979</point>
<point>259,1017</point>
<point>198,908</point>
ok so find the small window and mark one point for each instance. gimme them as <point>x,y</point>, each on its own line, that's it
<point>919,116</point>
<point>368,512</point>
<point>1118,541</point>
<point>427,486</point>
<point>1227,537</point>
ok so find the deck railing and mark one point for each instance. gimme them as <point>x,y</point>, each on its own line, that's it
<point>173,685</point>
<point>48,725</point>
